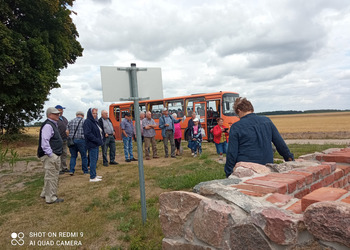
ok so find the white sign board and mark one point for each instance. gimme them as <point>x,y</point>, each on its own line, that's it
<point>116,83</point>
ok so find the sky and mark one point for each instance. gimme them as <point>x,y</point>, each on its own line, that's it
<point>279,54</point>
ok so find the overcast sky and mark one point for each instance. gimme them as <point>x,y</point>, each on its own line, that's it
<point>280,54</point>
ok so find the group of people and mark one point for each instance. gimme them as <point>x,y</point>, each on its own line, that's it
<point>248,140</point>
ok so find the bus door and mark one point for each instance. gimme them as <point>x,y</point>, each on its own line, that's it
<point>201,111</point>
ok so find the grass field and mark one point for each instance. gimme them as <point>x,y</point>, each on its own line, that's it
<point>105,215</point>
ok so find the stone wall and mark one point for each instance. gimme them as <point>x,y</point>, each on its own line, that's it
<point>295,205</point>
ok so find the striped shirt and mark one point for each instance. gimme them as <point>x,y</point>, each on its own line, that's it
<point>72,125</point>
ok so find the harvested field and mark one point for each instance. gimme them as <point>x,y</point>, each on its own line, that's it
<point>314,126</point>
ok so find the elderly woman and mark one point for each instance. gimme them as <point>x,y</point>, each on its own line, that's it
<point>177,135</point>
<point>195,142</point>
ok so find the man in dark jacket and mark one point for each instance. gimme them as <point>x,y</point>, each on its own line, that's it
<point>108,139</point>
<point>93,139</point>
<point>62,127</point>
<point>250,138</point>
<point>49,151</point>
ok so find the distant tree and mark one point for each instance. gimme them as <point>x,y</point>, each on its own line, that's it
<point>37,40</point>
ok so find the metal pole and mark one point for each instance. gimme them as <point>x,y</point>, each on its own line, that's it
<point>135,94</point>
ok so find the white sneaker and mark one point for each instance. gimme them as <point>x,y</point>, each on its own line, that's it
<point>95,180</point>
<point>195,155</point>
<point>192,154</point>
<point>99,177</point>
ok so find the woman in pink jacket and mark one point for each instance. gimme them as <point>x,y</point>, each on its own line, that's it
<point>220,133</point>
<point>177,135</point>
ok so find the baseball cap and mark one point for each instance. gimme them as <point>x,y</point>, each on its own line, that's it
<point>52,110</point>
<point>59,107</point>
<point>164,109</point>
<point>196,120</point>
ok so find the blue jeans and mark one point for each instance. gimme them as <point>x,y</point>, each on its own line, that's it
<point>93,156</point>
<point>221,148</point>
<point>127,141</point>
<point>109,143</point>
<point>79,146</point>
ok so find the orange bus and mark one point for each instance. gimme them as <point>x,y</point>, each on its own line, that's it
<point>208,108</point>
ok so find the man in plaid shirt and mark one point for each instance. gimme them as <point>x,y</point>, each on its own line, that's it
<point>79,142</point>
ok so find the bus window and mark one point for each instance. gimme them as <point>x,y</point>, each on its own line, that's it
<point>156,109</point>
<point>177,107</point>
<point>116,111</point>
<point>213,110</point>
<point>227,105</point>
<point>189,105</point>
<point>123,113</point>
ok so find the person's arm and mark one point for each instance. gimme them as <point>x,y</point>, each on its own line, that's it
<point>232,152</point>
<point>161,122</point>
<point>88,134</point>
<point>280,144</point>
<point>46,134</point>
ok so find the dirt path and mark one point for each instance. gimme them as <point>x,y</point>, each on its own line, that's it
<point>318,141</point>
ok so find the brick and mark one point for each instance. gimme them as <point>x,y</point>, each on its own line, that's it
<point>308,176</point>
<point>282,178</point>
<point>328,180</point>
<point>338,173</point>
<point>279,199</point>
<point>346,200</point>
<point>316,186</point>
<point>279,187</point>
<point>333,165</point>
<point>302,193</point>
<point>345,168</point>
<point>296,207</point>
<point>300,179</point>
<point>258,189</point>
<point>251,193</point>
<point>321,194</point>
<point>339,158</point>
<point>316,172</point>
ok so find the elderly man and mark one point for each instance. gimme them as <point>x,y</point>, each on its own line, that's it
<point>166,123</point>
<point>49,151</point>
<point>127,133</point>
<point>149,134</point>
<point>108,139</point>
<point>62,127</point>
<point>250,138</point>
<point>76,132</point>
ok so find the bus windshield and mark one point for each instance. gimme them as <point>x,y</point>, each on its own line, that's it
<point>228,101</point>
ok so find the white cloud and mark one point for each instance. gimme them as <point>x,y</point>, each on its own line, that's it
<point>279,54</point>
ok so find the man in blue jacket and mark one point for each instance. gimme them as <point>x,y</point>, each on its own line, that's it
<point>93,138</point>
<point>166,123</point>
<point>250,138</point>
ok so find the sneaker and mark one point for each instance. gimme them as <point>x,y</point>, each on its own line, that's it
<point>99,177</point>
<point>58,200</point>
<point>173,156</point>
<point>155,157</point>
<point>133,159</point>
<point>128,160</point>
<point>71,173</point>
<point>105,164</point>
<point>194,155</point>
<point>62,172</point>
<point>114,163</point>
<point>148,158</point>
<point>65,170</point>
<point>95,180</point>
